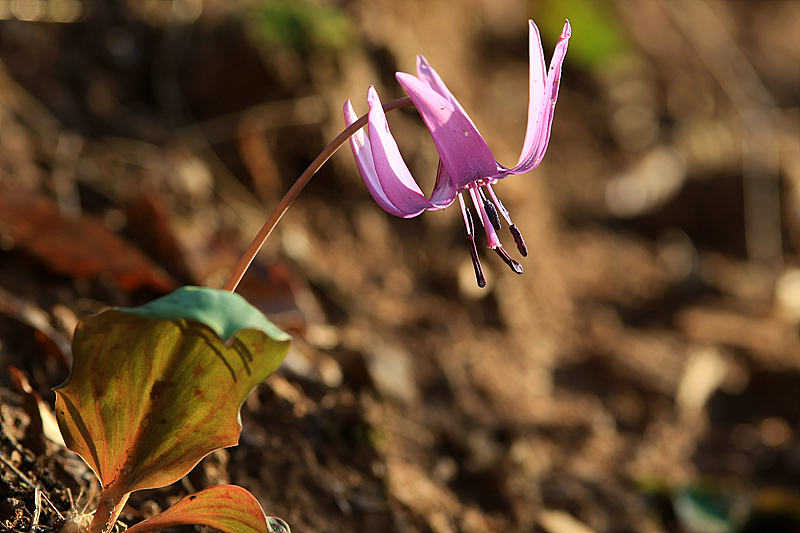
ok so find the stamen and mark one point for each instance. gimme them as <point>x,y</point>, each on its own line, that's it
<point>476,262</point>
<point>473,249</point>
<point>499,205</point>
<point>494,218</point>
<point>491,211</point>
<point>515,266</point>
<point>467,216</point>
<point>523,250</point>
<point>478,204</point>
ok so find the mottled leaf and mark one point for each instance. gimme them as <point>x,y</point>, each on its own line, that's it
<point>155,389</point>
<point>227,508</point>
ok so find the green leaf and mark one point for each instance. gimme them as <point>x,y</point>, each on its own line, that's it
<point>155,389</point>
<point>706,507</point>
<point>598,37</point>
<point>304,25</point>
<point>224,312</point>
<point>227,508</point>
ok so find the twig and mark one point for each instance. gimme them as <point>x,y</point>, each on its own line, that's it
<point>53,507</point>
<point>19,474</point>
<point>37,511</point>
<point>65,162</point>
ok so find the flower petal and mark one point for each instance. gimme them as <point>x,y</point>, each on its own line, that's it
<point>462,149</point>
<point>537,78</point>
<point>395,178</point>
<point>362,152</point>
<point>444,192</point>
<point>426,73</point>
<point>543,95</point>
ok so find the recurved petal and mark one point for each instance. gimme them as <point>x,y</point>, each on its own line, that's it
<point>395,179</point>
<point>543,96</point>
<point>536,83</point>
<point>426,73</point>
<point>362,152</point>
<point>462,149</point>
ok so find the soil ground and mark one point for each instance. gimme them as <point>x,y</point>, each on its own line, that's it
<point>643,374</point>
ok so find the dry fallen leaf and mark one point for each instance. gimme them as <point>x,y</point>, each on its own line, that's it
<point>80,247</point>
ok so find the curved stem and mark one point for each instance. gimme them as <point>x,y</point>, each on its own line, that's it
<point>286,201</point>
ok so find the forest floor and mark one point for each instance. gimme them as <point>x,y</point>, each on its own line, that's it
<point>642,374</point>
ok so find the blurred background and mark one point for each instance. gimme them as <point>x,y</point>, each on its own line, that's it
<point>643,374</point>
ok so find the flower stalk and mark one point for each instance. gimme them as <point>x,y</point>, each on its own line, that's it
<point>294,191</point>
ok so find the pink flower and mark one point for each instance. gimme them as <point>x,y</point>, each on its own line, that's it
<point>466,163</point>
